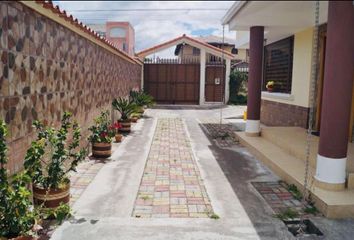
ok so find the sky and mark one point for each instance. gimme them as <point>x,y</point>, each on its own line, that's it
<point>154,27</point>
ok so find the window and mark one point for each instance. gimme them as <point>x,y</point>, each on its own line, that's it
<point>196,51</point>
<point>278,64</point>
<point>117,32</point>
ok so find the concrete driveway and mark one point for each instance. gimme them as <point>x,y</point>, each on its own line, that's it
<point>106,209</point>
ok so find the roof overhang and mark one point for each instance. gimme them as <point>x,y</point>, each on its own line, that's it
<point>279,18</point>
<point>186,40</point>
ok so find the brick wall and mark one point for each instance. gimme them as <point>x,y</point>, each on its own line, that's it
<point>280,114</point>
<point>46,69</point>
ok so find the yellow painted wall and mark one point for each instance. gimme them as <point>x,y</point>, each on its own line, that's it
<point>241,54</point>
<point>301,71</point>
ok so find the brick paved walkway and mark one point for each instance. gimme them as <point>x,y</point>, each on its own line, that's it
<point>279,198</point>
<point>86,172</point>
<point>171,185</point>
<point>223,134</point>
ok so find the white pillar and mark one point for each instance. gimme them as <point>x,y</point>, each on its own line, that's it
<point>202,77</point>
<point>227,81</point>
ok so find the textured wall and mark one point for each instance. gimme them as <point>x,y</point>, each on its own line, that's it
<point>281,114</point>
<point>46,69</point>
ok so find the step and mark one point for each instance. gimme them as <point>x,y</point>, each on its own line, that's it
<point>333,204</point>
<point>293,140</point>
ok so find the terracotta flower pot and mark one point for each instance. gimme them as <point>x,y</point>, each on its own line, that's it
<point>134,119</point>
<point>51,198</point>
<point>101,150</point>
<point>270,89</point>
<point>118,137</point>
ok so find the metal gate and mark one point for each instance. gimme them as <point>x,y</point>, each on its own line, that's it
<point>214,83</point>
<point>172,82</point>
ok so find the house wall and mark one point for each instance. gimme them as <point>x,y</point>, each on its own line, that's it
<point>300,89</point>
<point>241,54</point>
<point>46,69</point>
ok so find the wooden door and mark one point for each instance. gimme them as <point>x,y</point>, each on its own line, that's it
<point>214,83</point>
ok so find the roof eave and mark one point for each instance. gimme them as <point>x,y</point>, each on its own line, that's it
<point>235,8</point>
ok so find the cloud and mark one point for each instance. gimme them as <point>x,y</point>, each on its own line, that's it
<point>152,28</point>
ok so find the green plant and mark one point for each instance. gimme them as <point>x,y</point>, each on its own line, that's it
<point>60,213</point>
<point>51,157</point>
<point>311,210</point>
<point>102,131</point>
<point>125,107</point>
<point>214,216</point>
<point>141,99</point>
<point>287,214</point>
<point>295,191</point>
<point>238,92</point>
<point>17,216</point>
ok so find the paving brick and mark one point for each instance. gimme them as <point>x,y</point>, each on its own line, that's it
<point>171,177</point>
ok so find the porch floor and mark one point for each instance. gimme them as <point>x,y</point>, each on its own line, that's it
<point>283,150</point>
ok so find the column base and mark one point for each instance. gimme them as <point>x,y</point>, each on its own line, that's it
<point>330,173</point>
<point>253,128</point>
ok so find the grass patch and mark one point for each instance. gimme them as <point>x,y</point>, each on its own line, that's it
<point>286,214</point>
<point>295,191</point>
<point>214,216</point>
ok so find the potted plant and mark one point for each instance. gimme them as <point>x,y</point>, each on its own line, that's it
<point>101,136</point>
<point>116,126</point>
<point>18,218</point>
<point>125,107</point>
<point>141,100</point>
<point>270,86</point>
<point>50,159</point>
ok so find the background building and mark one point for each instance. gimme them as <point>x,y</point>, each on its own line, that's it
<point>121,34</point>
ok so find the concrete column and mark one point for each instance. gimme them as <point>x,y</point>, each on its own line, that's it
<point>337,96</point>
<point>227,80</point>
<point>202,77</point>
<point>255,81</point>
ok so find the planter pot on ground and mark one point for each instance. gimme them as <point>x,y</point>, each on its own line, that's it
<point>51,198</point>
<point>134,119</point>
<point>126,126</point>
<point>118,137</point>
<point>270,89</point>
<point>101,150</point>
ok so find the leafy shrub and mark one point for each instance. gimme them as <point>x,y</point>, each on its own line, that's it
<point>17,216</point>
<point>125,107</point>
<point>238,94</point>
<point>141,99</point>
<point>48,156</point>
<point>102,131</point>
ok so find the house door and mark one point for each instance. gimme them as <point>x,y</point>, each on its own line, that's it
<point>214,83</point>
<point>320,75</point>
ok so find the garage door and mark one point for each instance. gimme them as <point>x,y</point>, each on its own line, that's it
<point>172,83</point>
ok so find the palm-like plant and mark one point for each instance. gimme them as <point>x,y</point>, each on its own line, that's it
<point>141,98</point>
<point>125,107</point>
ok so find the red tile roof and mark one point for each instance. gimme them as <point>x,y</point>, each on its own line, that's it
<point>184,36</point>
<point>74,21</point>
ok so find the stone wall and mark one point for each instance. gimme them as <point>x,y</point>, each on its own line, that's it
<point>46,69</point>
<point>281,114</point>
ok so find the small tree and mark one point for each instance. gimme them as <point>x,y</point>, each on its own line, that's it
<point>17,216</point>
<point>102,131</point>
<point>238,94</point>
<point>51,157</point>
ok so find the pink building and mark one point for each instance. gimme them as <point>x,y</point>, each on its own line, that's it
<point>121,34</point>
